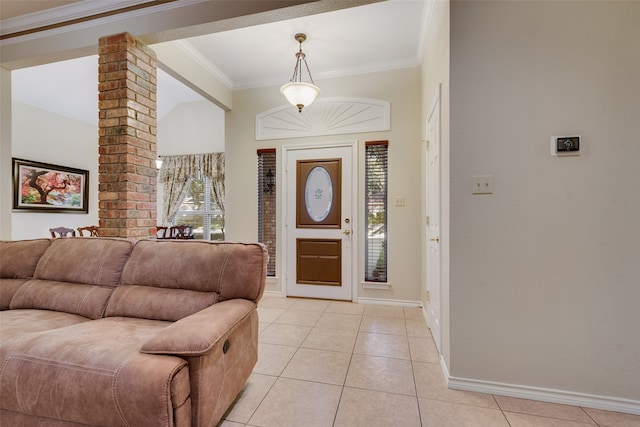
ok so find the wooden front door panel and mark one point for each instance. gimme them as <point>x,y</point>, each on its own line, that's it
<point>319,261</point>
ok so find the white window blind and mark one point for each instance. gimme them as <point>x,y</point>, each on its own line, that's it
<point>198,210</point>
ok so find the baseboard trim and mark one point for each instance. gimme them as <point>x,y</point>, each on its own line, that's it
<point>362,300</point>
<point>275,294</point>
<point>543,394</point>
<point>382,301</point>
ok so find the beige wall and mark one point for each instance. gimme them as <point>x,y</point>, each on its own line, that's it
<point>401,89</point>
<point>60,141</point>
<point>545,272</point>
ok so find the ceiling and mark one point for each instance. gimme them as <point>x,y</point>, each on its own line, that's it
<point>373,37</point>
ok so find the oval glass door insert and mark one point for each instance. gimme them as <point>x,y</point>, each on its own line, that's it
<point>318,194</point>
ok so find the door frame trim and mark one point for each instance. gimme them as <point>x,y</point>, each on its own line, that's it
<point>285,250</point>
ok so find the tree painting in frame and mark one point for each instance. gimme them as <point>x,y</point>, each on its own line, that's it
<point>43,187</point>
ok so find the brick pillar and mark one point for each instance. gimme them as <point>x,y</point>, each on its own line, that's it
<point>127,137</point>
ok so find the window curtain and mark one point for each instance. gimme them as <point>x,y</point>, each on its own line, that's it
<point>176,173</point>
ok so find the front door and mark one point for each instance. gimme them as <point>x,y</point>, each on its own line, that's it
<point>319,223</point>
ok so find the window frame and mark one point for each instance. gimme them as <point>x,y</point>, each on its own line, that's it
<point>211,210</point>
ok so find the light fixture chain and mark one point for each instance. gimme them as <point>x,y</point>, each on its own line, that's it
<point>297,72</point>
<point>308,71</point>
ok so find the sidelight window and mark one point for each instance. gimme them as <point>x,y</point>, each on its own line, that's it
<point>267,204</point>
<point>376,177</point>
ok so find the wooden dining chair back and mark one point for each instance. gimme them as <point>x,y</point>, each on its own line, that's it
<point>163,232</point>
<point>62,232</point>
<point>182,232</point>
<point>92,231</point>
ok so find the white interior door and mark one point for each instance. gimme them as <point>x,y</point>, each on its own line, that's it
<point>434,316</point>
<point>319,223</point>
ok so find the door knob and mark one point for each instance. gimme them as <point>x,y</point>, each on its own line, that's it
<point>347,232</point>
<point>436,239</point>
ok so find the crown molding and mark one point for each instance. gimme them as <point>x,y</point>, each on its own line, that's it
<point>425,27</point>
<point>85,14</point>
<point>64,13</point>
<point>193,53</point>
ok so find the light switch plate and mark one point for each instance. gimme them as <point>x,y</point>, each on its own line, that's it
<point>482,184</point>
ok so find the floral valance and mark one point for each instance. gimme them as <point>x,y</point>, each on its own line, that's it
<point>186,166</point>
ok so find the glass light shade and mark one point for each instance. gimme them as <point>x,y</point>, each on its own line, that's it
<point>300,94</point>
<point>158,163</point>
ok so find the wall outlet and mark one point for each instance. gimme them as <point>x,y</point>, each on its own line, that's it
<point>399,202</point>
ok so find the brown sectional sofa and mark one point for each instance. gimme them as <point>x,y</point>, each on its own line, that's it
<point>110,332</point>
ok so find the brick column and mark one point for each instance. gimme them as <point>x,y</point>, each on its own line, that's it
<point>127,137</point>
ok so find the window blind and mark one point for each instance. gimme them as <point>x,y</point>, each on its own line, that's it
<point>267,204</point>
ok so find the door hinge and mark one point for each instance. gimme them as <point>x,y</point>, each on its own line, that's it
<point>428,220</point>
<point>428,296</point>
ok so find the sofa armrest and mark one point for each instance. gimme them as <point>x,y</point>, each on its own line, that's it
<point>197,334</point>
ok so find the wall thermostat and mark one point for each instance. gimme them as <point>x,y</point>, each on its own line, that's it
<point>565,145</point>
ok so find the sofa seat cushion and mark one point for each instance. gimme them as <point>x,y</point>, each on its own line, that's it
<point>16,323</point>
<point>93,373</point>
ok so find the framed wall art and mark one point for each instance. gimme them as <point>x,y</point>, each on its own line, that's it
<point>43,187</point>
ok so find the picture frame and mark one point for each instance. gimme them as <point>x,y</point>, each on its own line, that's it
<point>45,187</point>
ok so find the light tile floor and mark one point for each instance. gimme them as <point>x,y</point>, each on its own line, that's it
<point>328,363</point>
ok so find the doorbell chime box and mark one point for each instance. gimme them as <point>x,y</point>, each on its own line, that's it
<point>565,145</point>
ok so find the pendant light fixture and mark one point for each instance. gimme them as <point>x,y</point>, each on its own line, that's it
<point>297,92</point>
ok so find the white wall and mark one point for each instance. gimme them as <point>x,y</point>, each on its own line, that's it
<point>190,128</point>
<point>5,154</point>
<point>400,87</point>
<point>545,272</point>
<point>42,136</point>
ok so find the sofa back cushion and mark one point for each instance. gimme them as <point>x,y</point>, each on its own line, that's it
<point>75,275</point>
<point>97,261</point>
<point>172,279</point>
<point>18,260</point>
